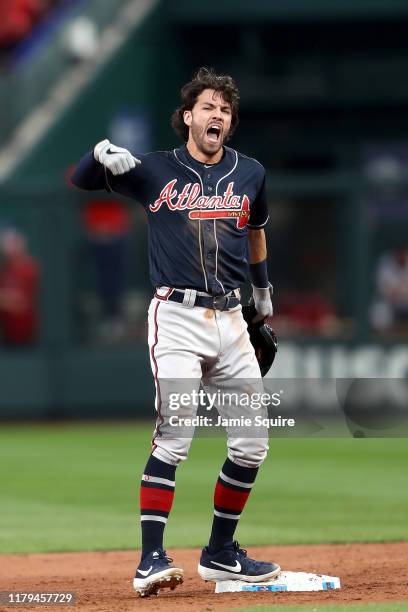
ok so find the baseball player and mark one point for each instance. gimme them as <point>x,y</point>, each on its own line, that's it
<point>206,209</point>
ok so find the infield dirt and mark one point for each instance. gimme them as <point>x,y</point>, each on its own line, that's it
<point>102,580</point>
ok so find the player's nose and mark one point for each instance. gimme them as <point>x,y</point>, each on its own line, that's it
<point>217,114</point>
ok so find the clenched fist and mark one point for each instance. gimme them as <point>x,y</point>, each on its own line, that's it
<point>115,159</point>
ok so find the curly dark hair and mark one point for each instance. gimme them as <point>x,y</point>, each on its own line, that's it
<point>205,78</point>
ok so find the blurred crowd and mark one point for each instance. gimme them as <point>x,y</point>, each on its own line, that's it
<point>18,18</point>
<point>111,311</point>
<point>389,311</point>
<point>306,313</point>
<point>107,225</point>
<point>19,283</point>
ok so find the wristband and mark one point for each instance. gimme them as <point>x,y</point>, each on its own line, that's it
<point>258,273</point>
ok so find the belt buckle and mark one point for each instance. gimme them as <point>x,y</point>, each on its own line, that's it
<point>220,302</point>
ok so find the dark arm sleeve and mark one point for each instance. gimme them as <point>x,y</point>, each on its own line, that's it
<point>89,174</point>
<point>258,217</point>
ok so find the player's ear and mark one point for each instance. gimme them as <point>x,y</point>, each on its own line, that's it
<point>187,116</point>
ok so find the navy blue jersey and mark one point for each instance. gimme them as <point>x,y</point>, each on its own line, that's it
<point>198,214</point>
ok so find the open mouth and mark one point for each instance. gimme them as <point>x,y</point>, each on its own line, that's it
<point>214,133</point>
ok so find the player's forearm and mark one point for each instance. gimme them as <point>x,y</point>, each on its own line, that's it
<point>257,246</point>
<point>258,269</point>
<point>89,174</point>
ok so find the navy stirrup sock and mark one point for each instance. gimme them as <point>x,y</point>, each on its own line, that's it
<point>156,499</point>
<point>231,493</point>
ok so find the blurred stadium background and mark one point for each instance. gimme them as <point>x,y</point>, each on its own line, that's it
<point>324,108</point>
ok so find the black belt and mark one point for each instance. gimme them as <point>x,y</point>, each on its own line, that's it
<point>218,302</point>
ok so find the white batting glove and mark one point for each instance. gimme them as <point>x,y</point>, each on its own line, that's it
<point>115,159</point>
<point>263,302</point>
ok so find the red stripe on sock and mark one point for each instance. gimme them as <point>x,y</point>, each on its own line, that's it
<point>156,499</point>
<point>229,498</point>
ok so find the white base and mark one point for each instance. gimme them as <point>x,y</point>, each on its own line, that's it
<point>286,581</point>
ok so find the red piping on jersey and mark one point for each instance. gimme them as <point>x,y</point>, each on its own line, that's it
<point>164,298</point>
<point>156,379</point>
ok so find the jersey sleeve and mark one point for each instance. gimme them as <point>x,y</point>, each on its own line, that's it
<point>91,176</point>
<point>258,216</point>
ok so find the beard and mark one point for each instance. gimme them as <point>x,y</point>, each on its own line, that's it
<point>199,136</point>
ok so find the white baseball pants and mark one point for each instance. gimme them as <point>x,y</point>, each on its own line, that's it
<point>192,346</point>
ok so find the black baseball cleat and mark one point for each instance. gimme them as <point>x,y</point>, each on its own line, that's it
<point>232,563</point>
<point>156,572</point>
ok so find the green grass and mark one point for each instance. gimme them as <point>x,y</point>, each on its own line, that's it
<point>371,607</point>
<point>75,487</point>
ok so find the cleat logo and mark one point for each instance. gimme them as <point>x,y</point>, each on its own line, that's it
<point>236,568</point>
<point>146,572</point>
